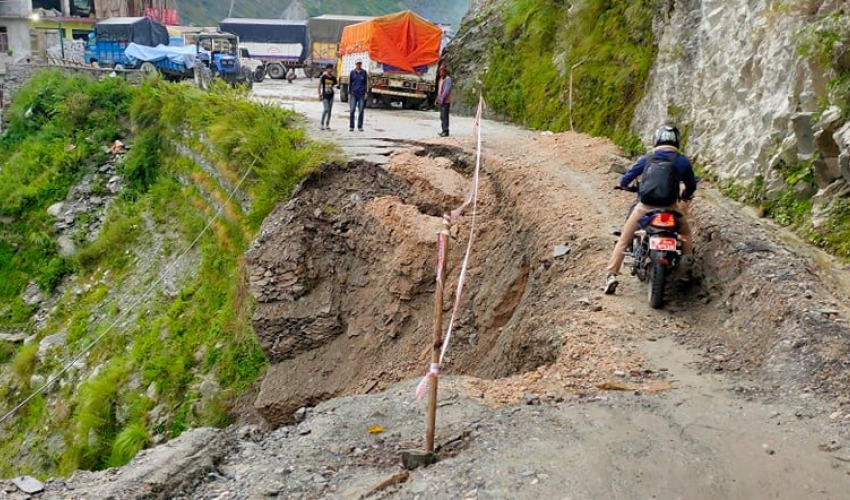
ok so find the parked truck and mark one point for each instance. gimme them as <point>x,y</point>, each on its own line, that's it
<point>401,53</point>
<point>109,40</point>
<point>213,55</point>
<point>325,34</point>
<point>278,44</point>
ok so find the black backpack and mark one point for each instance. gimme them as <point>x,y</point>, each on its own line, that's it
<point>659,185</point>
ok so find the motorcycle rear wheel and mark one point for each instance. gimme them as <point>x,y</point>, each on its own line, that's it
<point>657,284</point>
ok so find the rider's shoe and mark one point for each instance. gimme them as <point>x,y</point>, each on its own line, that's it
<point>611,284</point>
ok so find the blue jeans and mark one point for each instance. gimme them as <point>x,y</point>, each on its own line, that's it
<point>356,102</point>
<point>328,103</point>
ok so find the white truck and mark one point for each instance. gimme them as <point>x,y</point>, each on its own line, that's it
<point>278,44</point>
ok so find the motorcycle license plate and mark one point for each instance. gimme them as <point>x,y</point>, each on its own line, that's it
<point>664,244</point>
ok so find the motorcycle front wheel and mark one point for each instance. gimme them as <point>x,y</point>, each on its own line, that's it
<point>657,284</point>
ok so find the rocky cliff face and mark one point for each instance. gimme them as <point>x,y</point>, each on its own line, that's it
<point>757,112</point>
<point>758,87</point>
<point>731,74</point>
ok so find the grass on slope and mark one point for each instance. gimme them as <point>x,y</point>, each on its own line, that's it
<point>56,130</point>
<point>528,78</point>
<point>189,349</point>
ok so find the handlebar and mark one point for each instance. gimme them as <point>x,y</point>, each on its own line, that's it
<point>630,189</point>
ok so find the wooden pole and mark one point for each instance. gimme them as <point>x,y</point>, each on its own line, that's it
<point>443,248</point>
<point>572,70</point>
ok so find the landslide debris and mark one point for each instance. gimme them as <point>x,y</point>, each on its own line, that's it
<point>344,279</point>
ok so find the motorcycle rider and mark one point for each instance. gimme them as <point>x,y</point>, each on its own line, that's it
<point>666,150</point>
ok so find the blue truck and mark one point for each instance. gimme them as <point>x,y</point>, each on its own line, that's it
<point>107,44</point>
<point>142,43</point>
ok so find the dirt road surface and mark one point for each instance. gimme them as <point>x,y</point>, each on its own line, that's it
<point>737,389</point>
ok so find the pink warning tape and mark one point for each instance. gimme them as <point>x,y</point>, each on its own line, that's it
<point>422,388</point>
<point>470,199</point>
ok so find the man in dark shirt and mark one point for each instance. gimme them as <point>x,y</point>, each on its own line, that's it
<point>327,82</point>
<point>358,85</point>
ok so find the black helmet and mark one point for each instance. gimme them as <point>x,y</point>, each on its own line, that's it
<point>667,136</point>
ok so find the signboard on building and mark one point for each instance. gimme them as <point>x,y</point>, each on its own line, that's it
<point>165,16</point>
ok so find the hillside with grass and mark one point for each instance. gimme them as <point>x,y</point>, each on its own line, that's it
<point>773,131</point>
<point>210,12</point>
<point>144,324</point>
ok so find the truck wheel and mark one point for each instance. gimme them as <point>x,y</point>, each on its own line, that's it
<point>147,67</point>
<point>119,67</point>
<point>277,71</point>
<point>343,93</point>
<point>260,74</point>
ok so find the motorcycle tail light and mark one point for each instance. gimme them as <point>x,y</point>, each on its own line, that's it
<point>663,220</point>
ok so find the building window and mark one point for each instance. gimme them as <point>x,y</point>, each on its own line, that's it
<point>4,39</point>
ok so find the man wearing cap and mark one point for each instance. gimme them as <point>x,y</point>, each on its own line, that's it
<point>358,85</point>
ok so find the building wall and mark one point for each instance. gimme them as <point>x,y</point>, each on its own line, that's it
<point>15,8</point>
<point>19,37</point>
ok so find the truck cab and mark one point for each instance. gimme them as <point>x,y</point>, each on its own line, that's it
<point>220,53</point>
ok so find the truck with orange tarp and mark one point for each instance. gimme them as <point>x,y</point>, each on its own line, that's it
<point>400,51</point>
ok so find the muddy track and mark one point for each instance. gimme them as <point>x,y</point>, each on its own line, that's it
<point>343,274</point>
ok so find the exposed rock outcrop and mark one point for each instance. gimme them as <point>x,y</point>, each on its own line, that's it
<point>469,53</point>
<point>730,73</point>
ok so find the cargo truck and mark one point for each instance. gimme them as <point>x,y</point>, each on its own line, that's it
<point>110,38</point>
<point>401,53</point>
<point>278,44</point>
<point>325,34</point>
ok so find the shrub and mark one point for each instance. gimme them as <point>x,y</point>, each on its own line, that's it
<point>528,80</point>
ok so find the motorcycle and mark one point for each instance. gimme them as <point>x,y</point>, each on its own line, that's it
<point>656,250</point>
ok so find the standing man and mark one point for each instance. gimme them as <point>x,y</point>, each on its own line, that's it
<point>327,82</point>
<point>444,99</point>
<point>358,85</point>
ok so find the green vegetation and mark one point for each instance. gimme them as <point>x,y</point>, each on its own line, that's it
<point>182,356</point>
<point>793,209</point>
<point>611,46</point>
<point>826,43</point>
<point>57,127</point>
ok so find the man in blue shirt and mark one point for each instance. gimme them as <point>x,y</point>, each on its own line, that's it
<point>667,140</point>
<point>358,85</point>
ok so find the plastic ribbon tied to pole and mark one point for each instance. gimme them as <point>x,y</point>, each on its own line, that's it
<point>471,199</point>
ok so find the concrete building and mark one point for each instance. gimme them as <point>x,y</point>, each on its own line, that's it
<point>31,29</point>
<point>15,30</point>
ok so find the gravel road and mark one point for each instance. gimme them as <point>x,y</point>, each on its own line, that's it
<point>739,389</point>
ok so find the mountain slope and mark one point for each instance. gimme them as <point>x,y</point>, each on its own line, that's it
<point>771,123</point>
<point>210,12</point>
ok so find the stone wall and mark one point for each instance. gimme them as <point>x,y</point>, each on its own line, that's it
<point>75,50</point>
